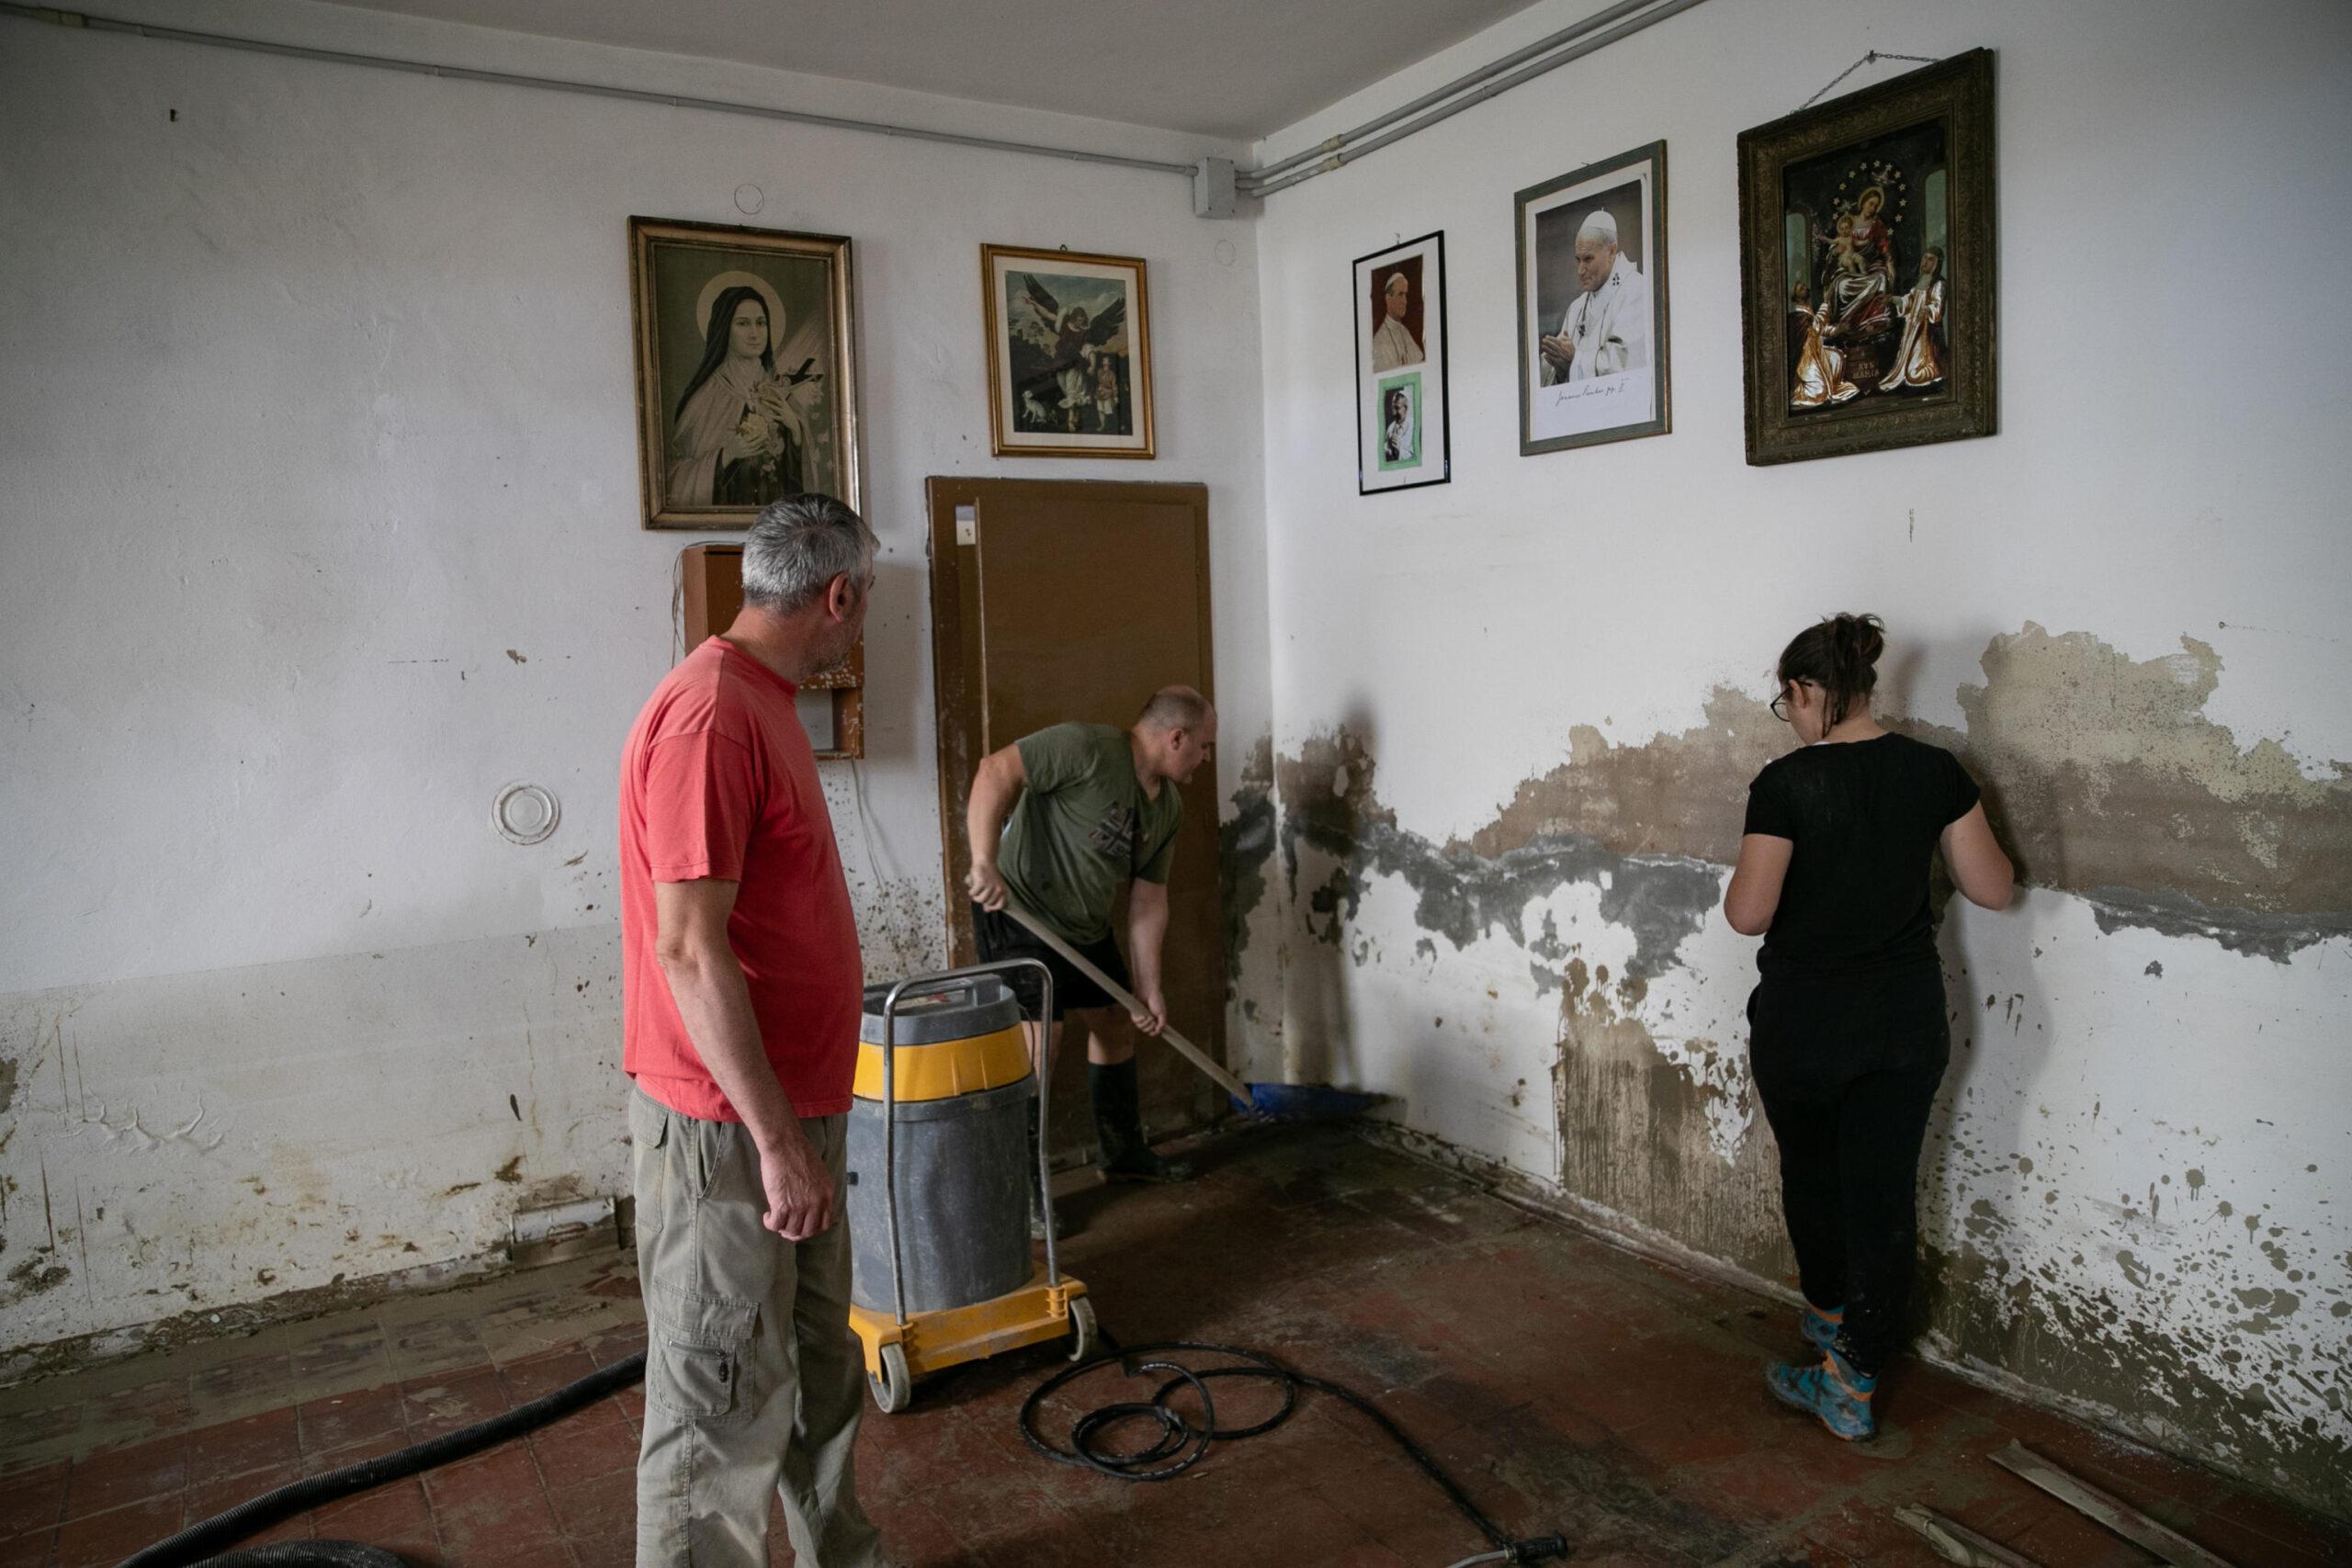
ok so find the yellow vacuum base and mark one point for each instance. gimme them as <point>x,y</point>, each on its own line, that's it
<point>933,1341</point>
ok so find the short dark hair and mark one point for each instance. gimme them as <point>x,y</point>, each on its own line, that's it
<point>799,545</point>
<point>1174,707</point>
<point>1840,655</point>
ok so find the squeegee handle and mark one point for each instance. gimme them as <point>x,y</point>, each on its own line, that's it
<point>1126,998</point>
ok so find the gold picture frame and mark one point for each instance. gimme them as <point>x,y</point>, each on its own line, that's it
<point>1068,354</point>
<point>720,431</point>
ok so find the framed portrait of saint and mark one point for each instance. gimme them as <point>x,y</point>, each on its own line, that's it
<point>1866,267</point>
<point>746,370</point>
<point>1592,324</point>
<point>1068,354</point>
<point>1403,439</point>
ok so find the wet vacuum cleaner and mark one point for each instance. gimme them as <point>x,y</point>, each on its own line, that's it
<point>941,1271</point>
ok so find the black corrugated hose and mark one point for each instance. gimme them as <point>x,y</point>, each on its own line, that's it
<point>1178,1447</point>
<point>199,1542</point>
<point>1180,1444</point>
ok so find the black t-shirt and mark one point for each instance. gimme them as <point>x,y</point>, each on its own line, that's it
<point>1865,816</point>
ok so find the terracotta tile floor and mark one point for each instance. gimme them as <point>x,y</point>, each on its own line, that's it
<point>1566,1385</point>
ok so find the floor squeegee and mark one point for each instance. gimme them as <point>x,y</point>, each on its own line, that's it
<point>1262,1101</point>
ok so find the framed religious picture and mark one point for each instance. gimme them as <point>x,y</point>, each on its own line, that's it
<point>1401,420</point>
<point>1867,269</point>
<point>746,377</point>
<point>1068,352</point>
<point>1592,347</point>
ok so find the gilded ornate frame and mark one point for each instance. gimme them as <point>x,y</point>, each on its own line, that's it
<point>645,234</point>
<point>1001,433</point>
<point>1960,92</point>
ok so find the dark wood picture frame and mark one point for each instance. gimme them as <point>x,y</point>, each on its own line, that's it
<point>1800,336</point>
<point>819,386</point>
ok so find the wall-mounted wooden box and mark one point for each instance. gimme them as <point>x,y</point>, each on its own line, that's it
<point>710,591</point>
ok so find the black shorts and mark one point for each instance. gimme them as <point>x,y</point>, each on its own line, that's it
<point>998,936</point>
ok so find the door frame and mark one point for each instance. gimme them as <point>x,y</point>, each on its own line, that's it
<point>959,697</point>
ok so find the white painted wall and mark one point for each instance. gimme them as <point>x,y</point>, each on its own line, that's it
<point>2173,380</point>
<point>319,522</point>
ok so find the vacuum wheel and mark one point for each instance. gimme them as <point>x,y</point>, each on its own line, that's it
<point>1085,1339</point>
<point>894,1389</point>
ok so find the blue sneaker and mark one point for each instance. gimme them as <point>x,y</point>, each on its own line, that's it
<point>1833,1390</point>
<point>1820,1326</point>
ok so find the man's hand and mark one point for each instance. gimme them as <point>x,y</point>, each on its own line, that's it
<point>1151,1022</point>
<point>799,1188</point>
<point>987,889</point>
<point>1559,350</point>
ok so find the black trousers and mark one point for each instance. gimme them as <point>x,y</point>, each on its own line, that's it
<point>1849,1123</point>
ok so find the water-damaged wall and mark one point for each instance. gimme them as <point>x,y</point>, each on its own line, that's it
<point>1481,853</point>
<point>319,523</point>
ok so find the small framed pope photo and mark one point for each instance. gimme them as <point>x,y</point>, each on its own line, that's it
<point>1592,341</point>
<point>1399,307</point>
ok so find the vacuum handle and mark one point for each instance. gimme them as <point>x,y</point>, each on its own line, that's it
<point>1079,961</point>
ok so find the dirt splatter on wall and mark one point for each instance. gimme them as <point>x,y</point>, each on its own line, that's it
<point>2168,855</point>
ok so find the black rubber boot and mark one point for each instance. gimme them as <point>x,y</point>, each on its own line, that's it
<point>1036,1196</point>
<point>1118,1122</point>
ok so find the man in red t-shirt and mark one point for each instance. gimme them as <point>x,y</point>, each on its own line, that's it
<point>741,988</point>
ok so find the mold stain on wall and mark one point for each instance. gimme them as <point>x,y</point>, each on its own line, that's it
<point>2109,783</point>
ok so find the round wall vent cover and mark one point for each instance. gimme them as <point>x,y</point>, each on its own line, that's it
<point>525,813</point>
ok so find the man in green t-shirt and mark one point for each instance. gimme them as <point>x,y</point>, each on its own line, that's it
<point>1090,807</point>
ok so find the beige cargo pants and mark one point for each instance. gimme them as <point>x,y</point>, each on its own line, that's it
<point>753,1382</point>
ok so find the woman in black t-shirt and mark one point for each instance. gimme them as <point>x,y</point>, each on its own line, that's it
<point>1848,1031</point>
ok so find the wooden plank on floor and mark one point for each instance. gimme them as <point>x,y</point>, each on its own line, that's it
<point>1955,1542</point>
<point>2113,1512</point>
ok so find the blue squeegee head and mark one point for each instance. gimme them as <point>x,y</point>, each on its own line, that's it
<point>1303,1102</point>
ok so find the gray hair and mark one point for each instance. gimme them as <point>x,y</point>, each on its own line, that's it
<point>797,546</point>
<point>1174,707</point>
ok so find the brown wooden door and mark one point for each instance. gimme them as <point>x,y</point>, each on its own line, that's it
<point>1076,601</point>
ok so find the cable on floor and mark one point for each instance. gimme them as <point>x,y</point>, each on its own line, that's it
<point>1179,1444</point>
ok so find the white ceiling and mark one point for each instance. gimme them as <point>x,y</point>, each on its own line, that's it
<point>1222,68</point>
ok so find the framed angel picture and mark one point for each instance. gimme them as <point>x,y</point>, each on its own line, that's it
<point>1402,439</point>
<point>745,373</point>
<point>1069,354</point>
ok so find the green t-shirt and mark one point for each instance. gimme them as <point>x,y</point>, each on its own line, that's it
<point>1084,825</point>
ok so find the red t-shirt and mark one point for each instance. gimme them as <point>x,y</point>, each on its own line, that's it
<point>718,781</point>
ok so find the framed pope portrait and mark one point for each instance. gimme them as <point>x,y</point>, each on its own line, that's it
<point>1403,437</point>
<point>1593,340</point>
<point>1867,269</point>
<point>746,377</point>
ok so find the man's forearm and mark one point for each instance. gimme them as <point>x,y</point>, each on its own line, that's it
<point>984,815</point>
<point>716,1006</point>
<point>1147,931</point>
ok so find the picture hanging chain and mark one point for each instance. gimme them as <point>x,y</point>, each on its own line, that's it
<point>1873,58</point>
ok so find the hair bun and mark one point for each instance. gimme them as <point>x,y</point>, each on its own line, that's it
<point>1862,638</point>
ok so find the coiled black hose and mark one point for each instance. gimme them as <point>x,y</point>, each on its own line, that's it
<point>1181,1445</point>
<point>199,1542</point>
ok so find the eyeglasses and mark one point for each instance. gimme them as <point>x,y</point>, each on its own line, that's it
<point>1781,707</point>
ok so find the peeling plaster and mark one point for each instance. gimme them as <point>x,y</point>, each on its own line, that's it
<point>2116,791</point>
<point>1329,803</point>
<point>1245,843</point>
<point>2105,778</point>
<point>1638,1134</point>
